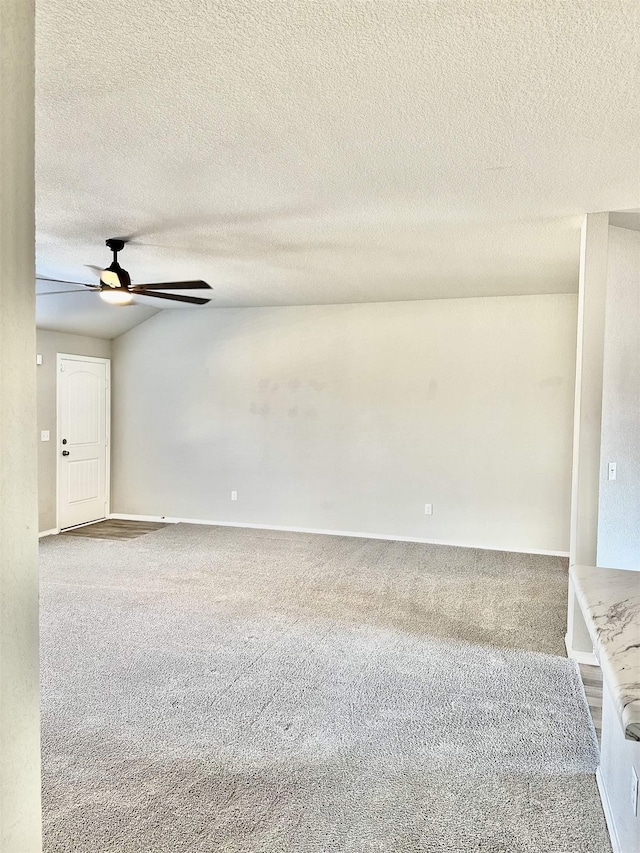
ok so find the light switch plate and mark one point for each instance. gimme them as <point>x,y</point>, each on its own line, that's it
<point>613,470</point>
<point>39,358</point>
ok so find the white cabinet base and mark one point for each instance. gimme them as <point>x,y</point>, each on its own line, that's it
<point>619,758</point>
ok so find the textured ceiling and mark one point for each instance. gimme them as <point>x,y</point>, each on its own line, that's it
<point>311,152</point>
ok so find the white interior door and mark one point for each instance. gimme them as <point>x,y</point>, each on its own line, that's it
<point>83,439</point>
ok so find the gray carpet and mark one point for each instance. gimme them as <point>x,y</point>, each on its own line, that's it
<point>213,689</point>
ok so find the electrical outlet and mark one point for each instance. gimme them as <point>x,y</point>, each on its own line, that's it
<point>634,791</point>
<point>234,496</point>
<point>45,435</point>
<point>428,509</point>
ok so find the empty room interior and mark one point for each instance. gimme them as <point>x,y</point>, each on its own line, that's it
<point>320,426</point>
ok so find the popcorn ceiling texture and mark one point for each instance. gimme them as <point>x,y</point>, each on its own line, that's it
<point>244,691</point>
<point>336,151</point>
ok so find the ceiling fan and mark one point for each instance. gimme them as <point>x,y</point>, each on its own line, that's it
<point>115,284</point>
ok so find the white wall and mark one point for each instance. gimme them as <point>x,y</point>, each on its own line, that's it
<point>619,510</point>
<point>352,417</point>
<point>19,707</point>
<point>48,344</point>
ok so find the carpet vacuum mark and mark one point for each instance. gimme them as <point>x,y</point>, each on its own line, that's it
<point>216,689</point>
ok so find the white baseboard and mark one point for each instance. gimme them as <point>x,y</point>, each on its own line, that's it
<point>608,814</point>
<point>586,658</point>
<point>174,520</point>
<point>52,532</point>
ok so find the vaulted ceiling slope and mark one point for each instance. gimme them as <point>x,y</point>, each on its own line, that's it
<point>316,151</point>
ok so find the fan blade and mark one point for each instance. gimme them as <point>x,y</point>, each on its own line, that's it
<point>64,281</point>
<point>194,300</point>
<point>174,285</point>
<point>59,292</point>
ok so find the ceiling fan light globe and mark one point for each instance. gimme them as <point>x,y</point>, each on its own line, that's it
<point>116,297</point>
<point>110,278</point>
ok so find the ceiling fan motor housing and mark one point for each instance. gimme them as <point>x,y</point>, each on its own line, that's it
<point>120,277</point>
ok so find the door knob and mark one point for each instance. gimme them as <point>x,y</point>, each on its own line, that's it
<point>65,452</point>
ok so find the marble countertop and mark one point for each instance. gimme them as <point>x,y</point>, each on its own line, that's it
<point>610,603</point>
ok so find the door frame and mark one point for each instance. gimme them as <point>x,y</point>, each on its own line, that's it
<point>107,362</point>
